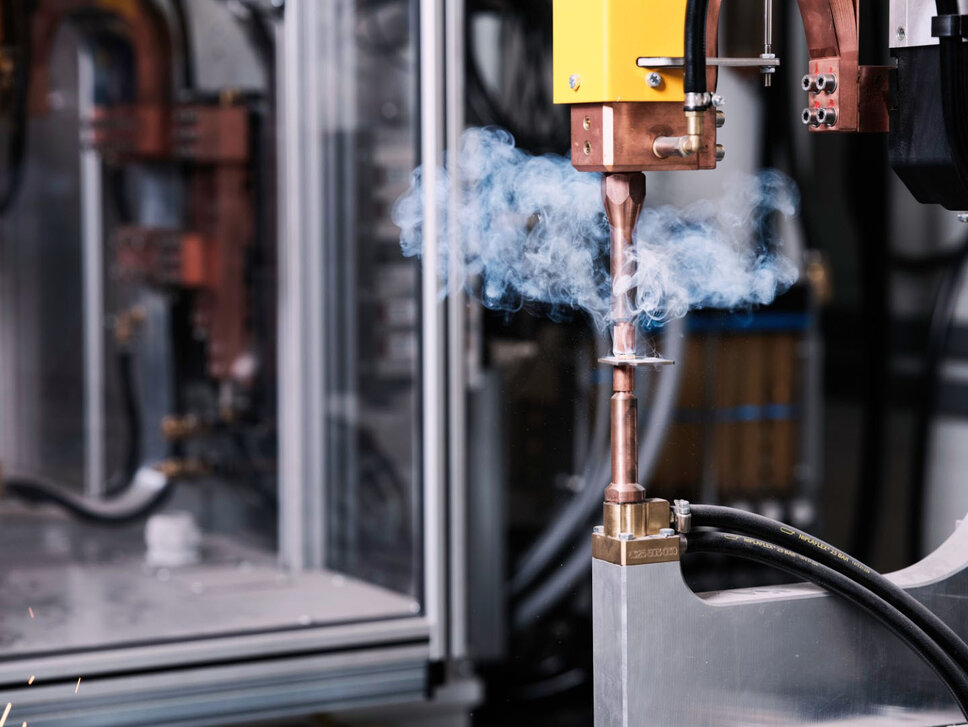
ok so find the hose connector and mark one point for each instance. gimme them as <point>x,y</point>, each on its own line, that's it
<point>697,101</point>
<point>694,129</point>
<point>681,516</point>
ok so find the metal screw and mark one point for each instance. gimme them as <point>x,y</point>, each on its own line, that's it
<point>587,148</point>
<point>900,32</point>
<point>574,81</point>
<point>587,123</point>
<point>963,217</point>
<point>718,100</point>
<point>827,115</point>
<point>654,79</point>
<point>667,532</point>
<point>599,530</point>
<point>626,536</point>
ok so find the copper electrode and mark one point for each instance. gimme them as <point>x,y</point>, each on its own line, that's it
<point>623,194</point>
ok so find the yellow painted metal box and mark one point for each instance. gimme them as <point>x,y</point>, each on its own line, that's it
<point>597,44</point>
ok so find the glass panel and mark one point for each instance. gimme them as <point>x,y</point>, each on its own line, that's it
<point>372,293</point>
<point>138,335</point>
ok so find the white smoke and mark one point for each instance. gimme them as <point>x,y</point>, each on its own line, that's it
<point>533,230</point>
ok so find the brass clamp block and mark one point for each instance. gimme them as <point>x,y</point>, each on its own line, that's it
<point>635,533</point>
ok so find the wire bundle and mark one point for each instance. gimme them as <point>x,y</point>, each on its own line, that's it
<point>791,550</point>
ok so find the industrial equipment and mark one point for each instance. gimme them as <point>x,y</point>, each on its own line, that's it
<point>642,96</point>
<point>216,502</point>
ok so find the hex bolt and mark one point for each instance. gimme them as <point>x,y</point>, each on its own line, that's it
<point>720,152</point>
<point>654,79</point>
<point>574,81</point>
<point>827,116</point>
<point>827,82</point>
<point>809,83</point>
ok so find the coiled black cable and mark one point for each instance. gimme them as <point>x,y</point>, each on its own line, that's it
<point>787,560</point>
<point>731,519</point>
<point>694,60</point>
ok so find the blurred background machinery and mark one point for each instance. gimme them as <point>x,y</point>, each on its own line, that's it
<point>360,501</point>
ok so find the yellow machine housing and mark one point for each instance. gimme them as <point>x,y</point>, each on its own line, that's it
<point>597,44</point>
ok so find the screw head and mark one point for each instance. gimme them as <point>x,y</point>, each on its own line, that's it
<point>574,81</point>
<point>654,79</point>
<point>626,536</point>
<point>599,530</point>
<point>963,217</point>
<point>900,32</point>
<point>667,532</point>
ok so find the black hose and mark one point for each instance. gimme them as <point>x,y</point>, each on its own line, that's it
<point>149,490</point>
<point>727,518</point>
<point>799,565</point>
<point>134,426</point>
<point>189,79</point>
<point>939,335</point>
<point>694,59</point>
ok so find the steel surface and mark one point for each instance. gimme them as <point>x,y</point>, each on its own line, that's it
<point>780,655</point>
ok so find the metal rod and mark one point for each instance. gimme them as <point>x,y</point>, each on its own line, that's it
<point>92,240</point>
<point>677,62</point>
<point>622,195</point>
<point>767,39</point>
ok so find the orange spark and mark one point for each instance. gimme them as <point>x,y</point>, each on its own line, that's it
<point>75,690</point>
<point>31,680</point>
<point>30,611</point>
<point>6,713</point>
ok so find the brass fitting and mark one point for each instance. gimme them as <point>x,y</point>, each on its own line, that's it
<point>682,146</point>
<point>636,533</point>
<point>127,322</point>
<point>180,469</point>
<point>175,428</point>
<point>636,518</point>
<point>694,129</point>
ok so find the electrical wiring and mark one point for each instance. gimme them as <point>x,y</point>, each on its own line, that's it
<point>732,519</point>
<point>766,553</point>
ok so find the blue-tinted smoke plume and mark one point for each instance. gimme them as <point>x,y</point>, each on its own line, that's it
<point>532,229</point>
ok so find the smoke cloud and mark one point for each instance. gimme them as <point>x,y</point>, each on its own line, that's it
<point>532,230</point>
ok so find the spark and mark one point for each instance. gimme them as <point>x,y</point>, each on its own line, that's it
<point>31,680</point>
<point>6,713</point>
<point>78,686</point>
<point>30,611</point>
